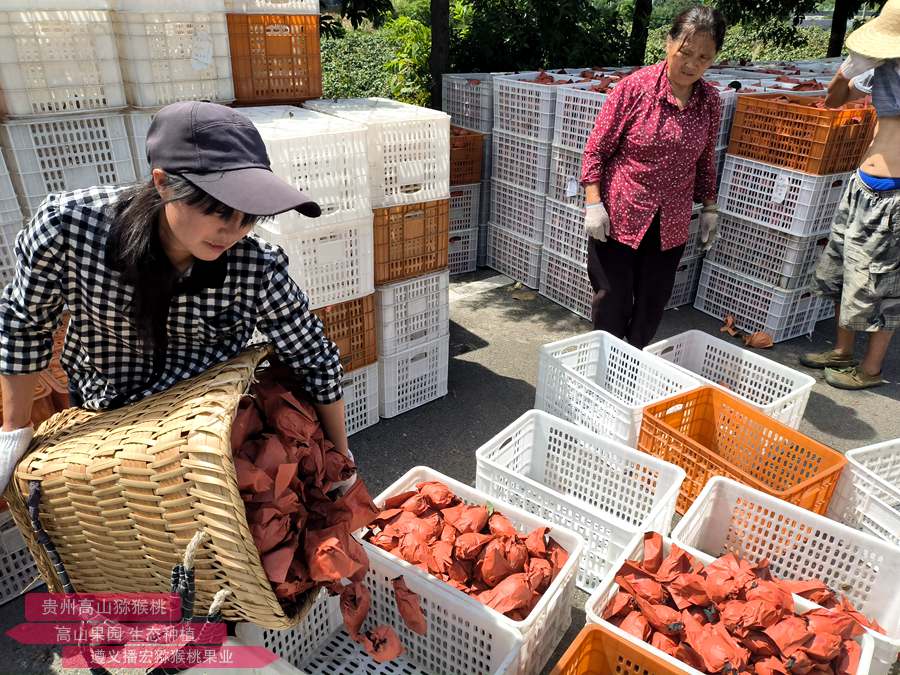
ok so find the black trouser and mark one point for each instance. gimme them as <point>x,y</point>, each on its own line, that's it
<point>631,287</point>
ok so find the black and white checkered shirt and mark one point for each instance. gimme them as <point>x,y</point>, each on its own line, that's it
<point>61,264</point>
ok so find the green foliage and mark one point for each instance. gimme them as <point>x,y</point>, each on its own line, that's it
<point>529,34</point>
<point>356,65</point>
<point>420,10</point>
<point>665,12</point>
<point>360,11</point>
<point>409,74</point>
<point>741,42</point>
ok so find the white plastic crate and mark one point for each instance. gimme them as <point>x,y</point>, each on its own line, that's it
<point>320,645</point>
<point>577,108</point>
<point>826,309</point>
<point>603,384</point>
<point>483,234</point>
<point>408,148</point>
<point>10,213</point>
<point>518,210</point>
<point>566,283</point>
<point>514,256</point>
<point>729,517</point>
<point>595,486</point>
<point>526,108</point>
<point>720,163</point>
<point>414,377</point>
<point>463,251</point>
<point>608,588</point>
<point>772,256</point>
<point>867,496</point>
<point>565,178</point>
<point>692,245</point>
<point>776,390</point>
<point>687,277</point>
<point>17,568</point>
<point>464,206</point>
<point>322,155</point>
<point>411,313</point>
<point>138,124</point>
<point>8,232</point>
<point>272,6</point>
<point>361,398</point>
<point>176,53</point>
<point>66,153</point>
<point>543,628</point>
<point>484,202</point>
<point>727,99</point>
<point>756,306</point>
<point>564,232</point>
<point>790,201</point>
<point>469,100</point>
<point>521,161</point>
<point>57,60</point>
<point>332,264</point>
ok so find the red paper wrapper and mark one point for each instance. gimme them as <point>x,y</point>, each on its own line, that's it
<point>687,590</point>
<point>382,644</point>
<point>789,635</point>
<point>635,624</point>
<point>355,602</point>
<point>835,622</point>
<point>437,494</point>
<point>510,594</point>
<point>653,552</point>
<point>409,607</point>
<point>466,518</point>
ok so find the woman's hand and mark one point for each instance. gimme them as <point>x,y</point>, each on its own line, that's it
<point>709,226</point>
<point>596,221</point>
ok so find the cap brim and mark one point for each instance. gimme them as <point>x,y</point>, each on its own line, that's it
<point>254,191</point>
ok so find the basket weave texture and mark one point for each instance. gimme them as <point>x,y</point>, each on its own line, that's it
<point>125,490</point>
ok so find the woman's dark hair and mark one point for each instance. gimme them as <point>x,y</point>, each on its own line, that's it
<point>699,19</point>
<point>136,252</point>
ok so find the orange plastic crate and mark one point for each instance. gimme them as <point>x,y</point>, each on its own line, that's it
<point>466,152</point>
<point>800,137</point>
<point>598,651</point>
<point>351,326</point>
<point>275,58</point>
<point>411,240</point>
<point>710,433</point>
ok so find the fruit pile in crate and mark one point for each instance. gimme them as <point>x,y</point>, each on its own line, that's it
<point>703,614</point>
<point>787,166</point>
<point>494,576</point>
<point>408,160</point>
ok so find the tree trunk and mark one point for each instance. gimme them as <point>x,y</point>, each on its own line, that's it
<point>842,10</point>
<point>640,24</point>
<point>440,47</point>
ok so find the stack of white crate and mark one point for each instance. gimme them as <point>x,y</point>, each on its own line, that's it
<point>330,257</point>
<point>524,117</point>
<point>773,226</point>
<point>409,178</point>
<point>469,100</point>
<point>61,91</point>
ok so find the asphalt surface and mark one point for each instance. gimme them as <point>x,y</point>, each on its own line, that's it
<point>496,329</point>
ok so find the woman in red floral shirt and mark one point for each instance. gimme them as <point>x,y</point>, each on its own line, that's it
<point>650,155</point>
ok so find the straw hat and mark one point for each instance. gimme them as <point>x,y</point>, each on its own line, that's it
<point>880,37</point>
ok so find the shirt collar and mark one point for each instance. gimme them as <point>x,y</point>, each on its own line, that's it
<point>664,89</point>
<point>205,274</point>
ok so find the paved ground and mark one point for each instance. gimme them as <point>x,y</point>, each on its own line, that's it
<point>495,333</point>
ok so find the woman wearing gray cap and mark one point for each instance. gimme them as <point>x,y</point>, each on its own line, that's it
<point>162,279</point>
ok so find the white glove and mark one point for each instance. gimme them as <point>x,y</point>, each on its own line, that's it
<point>342,486</point>
<point>596,221</point>
<point>13,445</point>
<point>709,228</point>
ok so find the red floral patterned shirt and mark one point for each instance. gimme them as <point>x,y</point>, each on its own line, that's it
<point>649,156</point>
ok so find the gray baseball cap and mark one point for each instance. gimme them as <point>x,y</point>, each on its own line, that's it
<point>220,151</point>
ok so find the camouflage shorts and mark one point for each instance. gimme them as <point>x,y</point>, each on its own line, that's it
<point>861,264</point>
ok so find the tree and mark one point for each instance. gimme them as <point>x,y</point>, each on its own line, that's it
<point>844,10</point>
<point>440,47</point>
<point>640,25</point>
<point>358,11</point>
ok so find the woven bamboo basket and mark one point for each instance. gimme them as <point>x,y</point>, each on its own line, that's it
<point>124,491</point>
